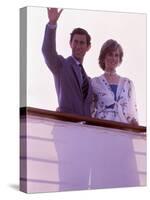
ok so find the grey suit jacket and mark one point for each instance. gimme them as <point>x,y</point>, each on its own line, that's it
<point>67,78</point>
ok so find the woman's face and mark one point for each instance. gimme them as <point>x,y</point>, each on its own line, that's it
<point>112,60</point>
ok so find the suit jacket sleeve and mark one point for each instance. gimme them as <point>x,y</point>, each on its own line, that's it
<point>52,59</point>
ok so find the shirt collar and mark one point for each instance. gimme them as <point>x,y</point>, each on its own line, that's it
<point>76,61</point>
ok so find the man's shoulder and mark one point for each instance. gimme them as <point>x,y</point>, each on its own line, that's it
<point>66,62</point>
<point>69,60</point>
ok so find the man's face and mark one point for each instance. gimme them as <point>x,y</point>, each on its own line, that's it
<point>79,46</point>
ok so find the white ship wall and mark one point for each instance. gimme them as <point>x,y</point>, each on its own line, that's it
<point>63,156</point>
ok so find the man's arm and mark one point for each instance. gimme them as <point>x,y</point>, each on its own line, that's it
<point>49,43</point>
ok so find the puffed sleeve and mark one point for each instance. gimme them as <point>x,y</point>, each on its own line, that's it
<point>94,99</point>
<point>132,106</point>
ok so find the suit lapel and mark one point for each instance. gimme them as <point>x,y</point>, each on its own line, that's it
<point>76,71</point>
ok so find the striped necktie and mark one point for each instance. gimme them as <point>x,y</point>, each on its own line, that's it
<point>85,83</point>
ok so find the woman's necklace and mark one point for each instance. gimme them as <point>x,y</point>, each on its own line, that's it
<point>112,77</point>
<point>110,73</point>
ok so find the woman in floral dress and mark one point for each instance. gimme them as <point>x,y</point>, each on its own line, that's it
<point>114,95</point>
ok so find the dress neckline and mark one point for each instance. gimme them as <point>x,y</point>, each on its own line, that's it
<point>111,83</point>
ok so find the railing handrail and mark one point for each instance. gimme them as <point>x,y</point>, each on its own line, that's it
<point>78,118</point>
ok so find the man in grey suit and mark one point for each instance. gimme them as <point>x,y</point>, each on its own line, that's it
<point>73,87</point>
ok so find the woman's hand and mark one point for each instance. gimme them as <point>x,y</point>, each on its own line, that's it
<point>134,122</point>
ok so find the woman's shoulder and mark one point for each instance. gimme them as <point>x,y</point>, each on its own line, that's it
<point>125,79</point>
<point>97,78</point>
<point>126,82</point>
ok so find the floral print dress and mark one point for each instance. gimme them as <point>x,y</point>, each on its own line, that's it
<point>106,105</point>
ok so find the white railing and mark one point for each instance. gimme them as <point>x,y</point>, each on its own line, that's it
<point>59,153</point>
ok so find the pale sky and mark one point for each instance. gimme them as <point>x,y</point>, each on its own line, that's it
<point>129,29</point>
